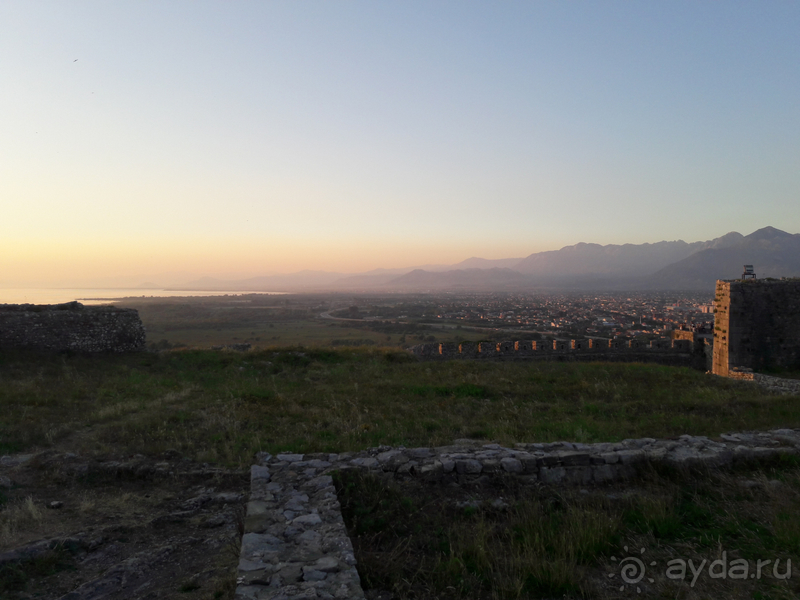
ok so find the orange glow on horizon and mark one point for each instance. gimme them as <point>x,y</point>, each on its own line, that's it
<point>94,262</point>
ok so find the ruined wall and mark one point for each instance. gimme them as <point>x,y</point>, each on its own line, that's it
<point>71,326</point>
<point>777,385</point>
<point>663,351</point>
<point>295,543</point>
<point>756,326</point>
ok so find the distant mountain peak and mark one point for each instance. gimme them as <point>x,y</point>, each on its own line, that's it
<point>768,233</point>
<point>585,265</point>
<point>475,262</point>
<point>773,253</point>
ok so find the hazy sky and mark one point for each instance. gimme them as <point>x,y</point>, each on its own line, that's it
<point>142,139</point>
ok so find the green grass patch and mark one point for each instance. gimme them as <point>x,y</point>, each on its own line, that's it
<point>530,546</point>
<point>222,407</point>
<point>463,390</point>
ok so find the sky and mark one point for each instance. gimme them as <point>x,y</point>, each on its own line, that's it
<point>142,140</point>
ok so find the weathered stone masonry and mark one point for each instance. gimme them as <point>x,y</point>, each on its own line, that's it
<point>71,326</point>
<point>756,325</point>
<point>295,543</point>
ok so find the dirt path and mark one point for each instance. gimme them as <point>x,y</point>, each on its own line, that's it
<point>118,527</point>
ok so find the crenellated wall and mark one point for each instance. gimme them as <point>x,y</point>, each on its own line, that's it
<point>665,351</point>
<point>71,326</point>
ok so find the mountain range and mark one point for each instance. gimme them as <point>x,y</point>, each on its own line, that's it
<point>675,265</point>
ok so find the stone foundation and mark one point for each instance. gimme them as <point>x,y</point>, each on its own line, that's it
<point>295,543</point>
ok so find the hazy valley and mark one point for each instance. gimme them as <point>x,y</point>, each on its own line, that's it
<point>675,265</point>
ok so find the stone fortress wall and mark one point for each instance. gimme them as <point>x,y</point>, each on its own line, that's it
<point>757,326</point>
<point>70,327</point>
<point>678,352</point>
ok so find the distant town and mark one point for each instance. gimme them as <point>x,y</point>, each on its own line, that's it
<point>538,316</point>
<point>402,320</point>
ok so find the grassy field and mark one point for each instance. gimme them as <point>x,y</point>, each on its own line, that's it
<point>221,407</point>
<point>203,322</point>
<point>511,541</point>
<point>308,333</point>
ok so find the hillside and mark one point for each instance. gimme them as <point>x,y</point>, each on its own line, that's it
<point>772,252</point>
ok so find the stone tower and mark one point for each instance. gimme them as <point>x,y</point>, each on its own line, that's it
<point>756,325</point>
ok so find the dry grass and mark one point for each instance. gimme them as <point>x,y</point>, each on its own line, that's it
<point>412,540</point>
<point>21,521</point>
<point>221,407</point>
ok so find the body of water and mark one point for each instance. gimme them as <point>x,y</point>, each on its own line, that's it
<point>98,295</point>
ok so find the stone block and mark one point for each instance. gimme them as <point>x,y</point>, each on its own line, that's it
<point>309,520</point>
<point>253,565</point>
<point>385,457</point>
<point>578,475</point>
<point>660,344</point>
<point>512,465</point>
<point>603,473</point>
<point>682,345</point>
<point>487,349</point>
<point>290,458</point>
<point>656,453</point>
<point>490,465</point>
<point>291,573</point>
<point>468,350</point>
<point>572,459</point>
<point>579,345</point>
<point>318,482</point>
<point>425,350</point>
<point>432,471</point>
<point>258,472</point>
<point>505,349</point>
<point>420,452</point>
<point>253,592</point>
<point>327,564</point>
<point>312,574</point>
<point>630,456</point>
<point>448,350</point>
<point>468,467</point>
<point>523,348</point>
<point>552,475</point>
<point>408,468</point>
<point>529,462</point>
<point>548,460</point>
<point>258,545</point>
